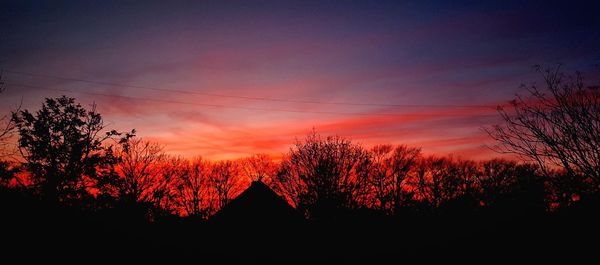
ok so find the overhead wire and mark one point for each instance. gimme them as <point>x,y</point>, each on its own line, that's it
<point>227,106</point>
<point>190,92</point>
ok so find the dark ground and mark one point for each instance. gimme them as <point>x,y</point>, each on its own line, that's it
<point>34,231</point>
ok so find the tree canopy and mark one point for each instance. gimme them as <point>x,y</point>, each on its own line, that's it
<point>66,149</point>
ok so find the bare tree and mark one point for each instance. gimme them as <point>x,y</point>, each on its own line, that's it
<point>167,194</point>
<point>290,186</point>
<point>437,180</point>
<point>498,178</point>
<point>259,167</point>
<point>466,178</point>
<point>139,167</point>
<point>192,190</point>
<point>164,194</point>
<point>389,174</point>
<point>225,181</point>
<point>6,132</point>
<point>326,175</point>
<point>557,126</point>
<point>7,128</point>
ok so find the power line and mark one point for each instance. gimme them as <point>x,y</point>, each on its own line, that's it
<point>242,97</point>
<point>231,107</point>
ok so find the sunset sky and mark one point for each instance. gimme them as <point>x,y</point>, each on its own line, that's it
<point>225,79</point>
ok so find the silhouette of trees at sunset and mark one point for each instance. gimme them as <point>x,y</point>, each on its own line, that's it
<point>390,170</point>
<point>69,156</point>
<point>191,180</point>
<point>555,126</point>
<point>329,175</point>
<point>259,167</point>
<point>66,149</point>
<point>74,167</point>
<point>139,167</point>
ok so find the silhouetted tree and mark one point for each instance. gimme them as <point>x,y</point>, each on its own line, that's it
<point>139,168</point>
<point>564,190</point>
<point>259,167</point>
<point>140,182</point>
<point>7,127</point>
<point>169,190</point>
<point>65,149</point>
<point>555,126</point>
<point>529,194</point>
<point>389,175</point>
<point>496,178</point>
<point>466,178</point>
<point>289,185</point>
<point>6,132</point>
<point>8,169</point>
<point>327,175</point>
<point>8,173</point>
<point>193,192</point>
<point>226,182</point>
<point>437,180</point>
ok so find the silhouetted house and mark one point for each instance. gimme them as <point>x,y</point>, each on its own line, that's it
<point>257,205</point>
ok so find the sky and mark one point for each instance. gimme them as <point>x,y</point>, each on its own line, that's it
<point>226,79</point>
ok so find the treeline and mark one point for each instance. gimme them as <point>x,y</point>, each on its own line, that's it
<point>68,157</point>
